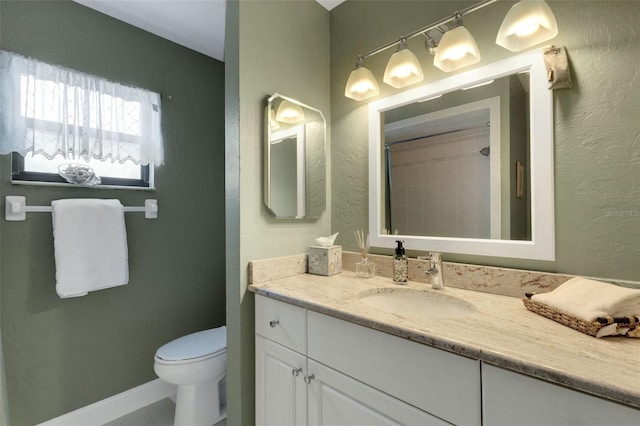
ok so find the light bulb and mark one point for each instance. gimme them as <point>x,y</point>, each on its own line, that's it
<point>528,22</point>
<point>403,68</point>
<point>527,27</point>
<point>288,112</point>
<point>361,84</point>
<point>457,49</point>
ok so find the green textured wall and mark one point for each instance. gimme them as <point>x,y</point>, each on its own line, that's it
<point>63,354</point>
<point>275,46</point>
<point>4,402</point>
<point>597,122</point>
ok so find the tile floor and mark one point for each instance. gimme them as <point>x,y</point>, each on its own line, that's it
<point>157,414</point>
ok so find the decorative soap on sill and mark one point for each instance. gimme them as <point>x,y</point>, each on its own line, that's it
<point>325,260</point>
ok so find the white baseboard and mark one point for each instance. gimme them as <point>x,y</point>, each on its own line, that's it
<point>115,406</point>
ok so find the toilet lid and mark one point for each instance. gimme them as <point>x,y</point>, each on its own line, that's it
<point>196,345</point>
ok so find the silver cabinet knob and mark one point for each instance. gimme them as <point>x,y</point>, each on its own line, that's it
<point>273,323</point>
<point>296,371</point>
<point>308,379</point>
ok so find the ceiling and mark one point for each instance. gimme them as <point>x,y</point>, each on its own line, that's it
<point>196,24</point>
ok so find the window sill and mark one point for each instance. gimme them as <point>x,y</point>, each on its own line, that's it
<point>71,185</point>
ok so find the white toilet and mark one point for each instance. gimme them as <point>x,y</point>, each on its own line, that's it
<point>197,364</point>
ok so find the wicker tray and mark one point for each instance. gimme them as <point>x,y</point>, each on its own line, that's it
<point>590,328</point>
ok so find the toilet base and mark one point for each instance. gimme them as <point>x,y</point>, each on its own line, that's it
<point>200,404</point>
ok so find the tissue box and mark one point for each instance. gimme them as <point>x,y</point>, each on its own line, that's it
<point>325,260</point>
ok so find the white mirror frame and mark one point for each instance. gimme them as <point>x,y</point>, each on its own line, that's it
<point>542,243</point>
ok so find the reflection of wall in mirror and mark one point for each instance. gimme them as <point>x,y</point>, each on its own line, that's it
<point>287,172</point>
<point>520,207</point>
<point>283,178</point>
<point>439,199</point>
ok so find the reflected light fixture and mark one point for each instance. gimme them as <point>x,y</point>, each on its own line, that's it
<point>457,48</point>
<point>289,112</point>
<point>361,84</point>
<point>430,98</point>
<point>527,23</point>
<point>273,123</point>
<point>403,68</point>
<point>484,83</point>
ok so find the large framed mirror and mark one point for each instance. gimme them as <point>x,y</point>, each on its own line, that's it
<point>465,164</point>
<point>294,159</point>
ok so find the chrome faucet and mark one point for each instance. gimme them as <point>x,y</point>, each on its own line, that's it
<point>436,271</point>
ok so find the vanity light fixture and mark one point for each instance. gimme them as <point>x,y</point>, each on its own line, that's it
<point>403,68</point>
<point>528,22</point>
<point>290,113</point>
<point>457,48</point>
<point>361,84</point>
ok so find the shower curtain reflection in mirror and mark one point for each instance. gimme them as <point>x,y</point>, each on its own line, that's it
<point>445,176</point>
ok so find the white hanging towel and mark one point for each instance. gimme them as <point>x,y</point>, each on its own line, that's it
<point>90,242</point>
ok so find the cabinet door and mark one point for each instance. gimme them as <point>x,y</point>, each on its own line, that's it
<point>510,398</point>
<point>281,392</point>
<point>336,399</point>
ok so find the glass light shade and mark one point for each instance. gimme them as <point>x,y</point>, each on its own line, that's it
<point>527,23</point>
<point>361,85</point>
<point>288,112</point>
<point>457,49</point>
<point>403,69</point>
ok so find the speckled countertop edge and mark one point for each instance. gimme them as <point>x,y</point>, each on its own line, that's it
<point>502,333</point>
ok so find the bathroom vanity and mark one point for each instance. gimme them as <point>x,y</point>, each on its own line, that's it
<point>325,357</point>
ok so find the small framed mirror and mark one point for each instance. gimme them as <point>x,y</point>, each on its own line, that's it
<point>294,159</point>
<point>465,164</point>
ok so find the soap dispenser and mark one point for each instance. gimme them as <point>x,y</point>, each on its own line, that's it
<point>400,265</point>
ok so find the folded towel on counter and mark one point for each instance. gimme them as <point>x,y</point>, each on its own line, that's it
<point>588,299</point>
<point>90,245</point>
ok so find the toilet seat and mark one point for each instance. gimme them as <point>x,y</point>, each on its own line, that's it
<point>194,347</point>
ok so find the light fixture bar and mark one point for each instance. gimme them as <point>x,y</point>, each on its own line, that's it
<point>429,27</point>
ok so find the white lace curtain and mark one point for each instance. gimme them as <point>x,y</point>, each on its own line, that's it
<point>51,110</point>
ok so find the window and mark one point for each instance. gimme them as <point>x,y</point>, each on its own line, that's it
<point>38,168</point>
<point>51,115</point>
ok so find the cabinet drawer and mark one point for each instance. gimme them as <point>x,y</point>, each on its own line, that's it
<point>438,382</point>
<point>281,322</point>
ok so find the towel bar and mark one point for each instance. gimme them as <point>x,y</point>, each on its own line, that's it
<point>16,208</point>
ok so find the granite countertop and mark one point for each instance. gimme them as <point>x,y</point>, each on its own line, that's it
<point>502,332</point>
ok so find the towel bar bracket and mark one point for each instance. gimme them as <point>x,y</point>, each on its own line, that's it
<point>16,208</point>
<point>150,209</point>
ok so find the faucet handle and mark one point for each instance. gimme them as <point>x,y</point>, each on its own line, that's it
<point>436,271</point>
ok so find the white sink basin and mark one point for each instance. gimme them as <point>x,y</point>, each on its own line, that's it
<point>421,304</point>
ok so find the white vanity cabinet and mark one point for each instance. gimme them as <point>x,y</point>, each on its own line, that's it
<point>318,370</point>
<point>511,398</point>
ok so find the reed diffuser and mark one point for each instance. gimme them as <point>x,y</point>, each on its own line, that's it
<point>364,268</point>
